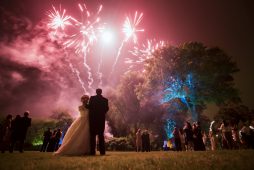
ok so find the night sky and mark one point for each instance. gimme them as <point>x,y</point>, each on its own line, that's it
<point>228,24</point>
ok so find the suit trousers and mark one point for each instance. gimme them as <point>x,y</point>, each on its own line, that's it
<point>101,143</point>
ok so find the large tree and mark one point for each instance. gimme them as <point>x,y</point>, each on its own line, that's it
<point>176,85</point>
<point>192,73</point>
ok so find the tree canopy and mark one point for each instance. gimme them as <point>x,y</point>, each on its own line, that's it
<point>193,73</point>
<point>176,84</point>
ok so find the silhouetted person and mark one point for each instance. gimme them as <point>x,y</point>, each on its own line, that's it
<point>57,139</point>
<point>194,130</point>
<point>145,141</point>
<point>5,133</point>
<point>52,142</point>
<point>235,136</point>
<point>177,138</point>
<point>246,136</point>
<point>198,137</point>
<point>25,124</point>
<point>16,132</point>
<point>47,135</point>
<point>227,139</point>
<point>98,107</point>
<point>188,136</point>
<point>138,141</point>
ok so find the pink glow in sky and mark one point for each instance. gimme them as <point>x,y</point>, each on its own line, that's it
<point>35,68</point>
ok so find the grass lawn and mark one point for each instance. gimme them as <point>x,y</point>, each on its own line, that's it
<point>243,159</point>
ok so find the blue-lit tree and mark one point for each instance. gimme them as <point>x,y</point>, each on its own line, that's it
<point>177,84</point>
<point>184,90</point>
<point>187,77</point>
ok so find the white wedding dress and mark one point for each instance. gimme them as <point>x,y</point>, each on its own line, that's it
<point>76,141</point>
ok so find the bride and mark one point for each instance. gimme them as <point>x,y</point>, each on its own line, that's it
<point>77,139</point>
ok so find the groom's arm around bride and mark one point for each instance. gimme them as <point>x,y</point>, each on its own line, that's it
<point>98,107</point>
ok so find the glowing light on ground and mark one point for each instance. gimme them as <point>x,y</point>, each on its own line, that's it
<point>37,142</point>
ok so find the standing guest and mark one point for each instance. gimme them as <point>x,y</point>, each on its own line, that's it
<point>200,143</point>
<point>204,138</point>
<point>58,136</point>
<point>145,141</point>
<point>138,141</point>
<point>188,136</point>
<point>195,133</point>
<point>25,124</point>
<point>235,136</point>
<point>5,133</point>
<point>181,134</point>
<point>226,135</point>
<point>52,142</point>
<point>212,137</point>
<point>245,136</point>
<point>148,147</point>
<point>47,134</point>
<point>177,139</point>
<point>16,132</point>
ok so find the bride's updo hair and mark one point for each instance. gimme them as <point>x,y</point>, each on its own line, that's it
<point>84,98</point>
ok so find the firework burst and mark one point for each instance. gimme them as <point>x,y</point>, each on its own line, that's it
<point>58,19</point>
<point>85,33</point>
<point>143,53</point>
<point>130,29</point>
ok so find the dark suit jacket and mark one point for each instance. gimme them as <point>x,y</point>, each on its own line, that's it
<point>98,107</point>
<point>25,124</point>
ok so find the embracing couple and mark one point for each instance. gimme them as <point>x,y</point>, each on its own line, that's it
<point>80,139</point>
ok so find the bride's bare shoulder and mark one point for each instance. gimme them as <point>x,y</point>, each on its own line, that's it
<point>81,108</point>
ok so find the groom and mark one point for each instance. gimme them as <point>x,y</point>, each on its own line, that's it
<point>98,107</point>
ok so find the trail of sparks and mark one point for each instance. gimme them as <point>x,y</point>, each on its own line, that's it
<point>130,29</point>
<point>85,38</point>
<point>77,73</point>
<point>117,57</point>
<point>99,73</point>
<point>90,76</point>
